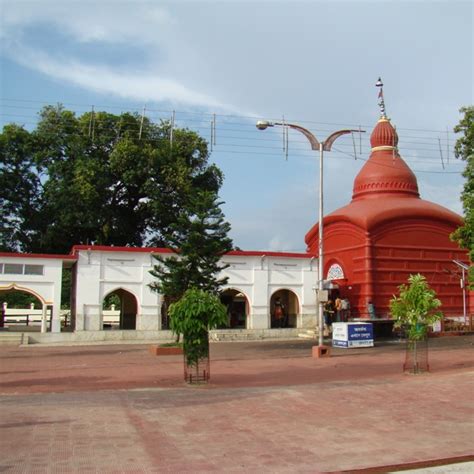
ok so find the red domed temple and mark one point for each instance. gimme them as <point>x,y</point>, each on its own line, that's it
<point>386,233</point>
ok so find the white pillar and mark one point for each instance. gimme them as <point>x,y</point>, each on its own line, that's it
<point>44,320</point>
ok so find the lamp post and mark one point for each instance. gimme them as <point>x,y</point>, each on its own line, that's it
<point>463,268</point>
<point>321,146</point>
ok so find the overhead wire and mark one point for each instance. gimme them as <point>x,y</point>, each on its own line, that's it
<point>233,132</point>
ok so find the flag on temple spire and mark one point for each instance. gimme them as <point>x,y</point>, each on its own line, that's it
<point>379,83</point>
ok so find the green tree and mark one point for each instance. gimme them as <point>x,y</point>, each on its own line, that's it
<point>198,239</point>
<point>193,316</point>
<point>414,310</point>
<point>99,177</point>
<point>416,307</point>
<point>19,189</point>
<point>464,149</point>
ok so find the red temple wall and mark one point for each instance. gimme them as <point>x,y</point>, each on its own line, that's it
<point>416,246</point>
<point>375,265</point>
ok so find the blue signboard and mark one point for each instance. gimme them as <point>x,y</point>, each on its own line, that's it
<point>352,335</point>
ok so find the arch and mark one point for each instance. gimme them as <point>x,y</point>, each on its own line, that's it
<point>15,287</point>
<point>284,309</point>
<point>335,272</point>
<point>237,305</point>
<point>128,310</point>
<point>22,309</point>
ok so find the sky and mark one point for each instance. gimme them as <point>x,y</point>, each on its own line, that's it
<point>224,65</point>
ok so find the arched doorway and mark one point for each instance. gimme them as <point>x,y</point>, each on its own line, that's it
<point>124,302</point>
<point>286,303</point>
<point>23,310</point>
<point>237,308</point>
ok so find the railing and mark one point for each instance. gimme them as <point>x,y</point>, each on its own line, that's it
<point>451,324</point>
<point>26,319</point>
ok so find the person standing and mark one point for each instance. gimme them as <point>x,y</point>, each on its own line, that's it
<point>346,309</point>
<point>371,309</point>
<point>329,314</point>
<point>279,313</point>
<point>338,307</point>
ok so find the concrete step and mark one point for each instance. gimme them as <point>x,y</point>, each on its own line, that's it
<point>11,339</point>
<point>312,334</point>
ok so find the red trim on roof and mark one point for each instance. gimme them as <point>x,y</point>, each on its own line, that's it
<point>109,248</point>
<point>243,253</point>
<point>37,255</point>
<point>255,253</point>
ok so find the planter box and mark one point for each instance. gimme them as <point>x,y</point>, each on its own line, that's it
<point>163,351</point>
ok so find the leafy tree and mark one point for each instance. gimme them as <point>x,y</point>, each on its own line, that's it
<point>198,239</point>
<point>193,315</point>
<point>19,189</point>
<point>99,177</point>
<point>416,307</point>
<point>464,149</point>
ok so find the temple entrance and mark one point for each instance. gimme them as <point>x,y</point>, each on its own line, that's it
<point>237,308</point>
<point>125,307</point>
<point>284,309</point>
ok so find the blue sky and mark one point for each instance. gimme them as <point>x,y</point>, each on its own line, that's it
<point>315,63</point>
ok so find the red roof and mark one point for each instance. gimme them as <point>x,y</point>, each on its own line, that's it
<point>37,255</point>
<point>246,253</point>
<point>385,189</point>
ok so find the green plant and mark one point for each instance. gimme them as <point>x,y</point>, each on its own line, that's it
<point>416,307</point>
<point>192,316</point>
<point>414,310</point>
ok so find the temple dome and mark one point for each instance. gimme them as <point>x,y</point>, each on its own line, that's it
<point>385,170</point>
<point>384,135</point>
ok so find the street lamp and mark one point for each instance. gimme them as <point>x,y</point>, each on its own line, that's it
<point>464,268</point>
<point>321,146</point>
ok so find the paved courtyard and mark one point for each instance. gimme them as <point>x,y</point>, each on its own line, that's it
<point>270,408</point>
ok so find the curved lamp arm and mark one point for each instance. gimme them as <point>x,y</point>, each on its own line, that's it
<point>334,136</point>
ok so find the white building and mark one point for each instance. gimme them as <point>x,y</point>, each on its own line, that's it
<point>255,281</point>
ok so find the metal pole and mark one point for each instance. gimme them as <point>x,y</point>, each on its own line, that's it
<point>464,295</point>
<point>320,249</point>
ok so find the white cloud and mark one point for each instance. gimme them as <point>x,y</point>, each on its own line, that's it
<point>143,86</point>
<point>88,21</point>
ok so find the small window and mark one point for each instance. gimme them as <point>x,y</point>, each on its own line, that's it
<point>13,269</point>
<point>33,269</point>
<point>1,267</point>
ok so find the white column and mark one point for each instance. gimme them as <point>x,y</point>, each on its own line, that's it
<point>44,320</point>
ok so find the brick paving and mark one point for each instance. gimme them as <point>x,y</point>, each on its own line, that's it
<point>270,408</point>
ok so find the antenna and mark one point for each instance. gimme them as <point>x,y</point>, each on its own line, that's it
<point>393,144</point>
<point>354,145</point>
<point>141,123</point>
<point>214,121</point>
<point>447,145</point>
<point>119,127</point>
<point>441,153</point>
<point>285,137</point>
<point>92,124</point>
<point>212,133</point>
<point>172,128</point>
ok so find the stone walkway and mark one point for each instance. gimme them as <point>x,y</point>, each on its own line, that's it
<point>270,408</point>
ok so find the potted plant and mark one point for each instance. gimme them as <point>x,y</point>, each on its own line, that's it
<point>193,316</point>
<point>414,310</point>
